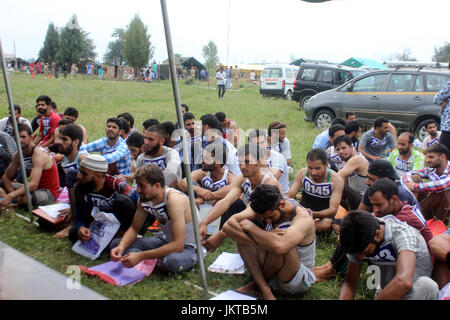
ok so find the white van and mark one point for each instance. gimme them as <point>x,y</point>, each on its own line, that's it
<point>278,80</point>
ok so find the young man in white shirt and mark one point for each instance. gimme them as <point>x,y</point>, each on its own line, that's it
<point>221,77</point>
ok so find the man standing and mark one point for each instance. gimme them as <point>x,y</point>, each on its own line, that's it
<point>167,159</point>
<point>250,160</point>
<point>47,123</point>
<point>433,135</point>
<point>378,142</point>
<point>276,240</point>
<point>175,247</point>
<point>236,75</point>
<point>113,148</point>
<point>322,189</point>
<point>96,188</point>
<point>221,77</point>
<point>405,158</point>
<point>434,196</point>
<point>397,249</point>
<point>40,168</point>
<point>6,123</point>
<point>442,98</point>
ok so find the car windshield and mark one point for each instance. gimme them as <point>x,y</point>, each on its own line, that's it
<point>356,73</point>
<point>272,73</point>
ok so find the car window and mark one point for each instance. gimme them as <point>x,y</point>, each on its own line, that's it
<point>418,84</point>
<point>400,82</point>
<point>272,73</point>
<point>308,74</point>
<point>434,82</point>
<point>326,76</point>
<point>288,73</point>
<point>373,83</point>
<point>342,77</point>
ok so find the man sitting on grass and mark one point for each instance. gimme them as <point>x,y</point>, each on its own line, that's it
<point>175,247</point>
<point>275,238</point>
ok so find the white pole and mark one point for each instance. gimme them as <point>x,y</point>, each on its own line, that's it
<point>186,160</point>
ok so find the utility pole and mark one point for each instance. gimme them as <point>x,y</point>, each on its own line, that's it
<point>228,33</point>
<point>15,56</point>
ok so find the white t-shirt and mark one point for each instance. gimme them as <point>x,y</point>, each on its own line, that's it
<point>277,161</point>
<point>169,162</point>
<point>221,76</point>
<point>284,148</point>
<point>7,126</point>
<point>428,142</point>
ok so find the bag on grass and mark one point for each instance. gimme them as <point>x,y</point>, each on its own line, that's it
<point>103,229</point>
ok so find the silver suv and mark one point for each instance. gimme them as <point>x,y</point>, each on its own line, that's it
<point>403,96</point>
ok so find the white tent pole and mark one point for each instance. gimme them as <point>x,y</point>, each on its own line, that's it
<point>16,133</point>
<point>186,160</point>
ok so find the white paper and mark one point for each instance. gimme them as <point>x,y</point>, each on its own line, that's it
<point>231,263</point>
<point>53,209</point>
<point>232,295</point>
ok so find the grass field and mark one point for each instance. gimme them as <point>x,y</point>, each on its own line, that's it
<point>98,100</point>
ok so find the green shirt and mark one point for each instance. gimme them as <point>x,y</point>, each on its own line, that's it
<point>415,162</point>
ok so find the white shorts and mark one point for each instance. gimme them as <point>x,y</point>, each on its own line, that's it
<point>302,281</point>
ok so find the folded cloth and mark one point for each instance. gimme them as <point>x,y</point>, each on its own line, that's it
<point>115,273</point>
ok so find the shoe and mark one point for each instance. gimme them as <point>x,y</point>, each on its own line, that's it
<point>154,227</point>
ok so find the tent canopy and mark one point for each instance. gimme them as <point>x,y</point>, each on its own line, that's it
<point>186,62</point>
<point>363,63</point>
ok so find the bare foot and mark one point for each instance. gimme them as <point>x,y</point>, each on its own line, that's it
<point>324,266</point>
<point>325,273</point>
<point>251,288</point>
<point>213,242</point>
<point>64,233</point>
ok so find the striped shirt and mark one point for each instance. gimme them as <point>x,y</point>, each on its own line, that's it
<point>437,183</point>
<point>118,153</point>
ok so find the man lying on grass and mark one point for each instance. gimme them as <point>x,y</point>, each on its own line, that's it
<point>175,247</point>
<point>276,239</point>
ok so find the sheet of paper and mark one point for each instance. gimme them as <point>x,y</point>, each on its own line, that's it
<point>232,295</point>
<point>53,209</point>
<point>228,263</point>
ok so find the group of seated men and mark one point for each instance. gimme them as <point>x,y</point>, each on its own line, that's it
<point>140,178</point>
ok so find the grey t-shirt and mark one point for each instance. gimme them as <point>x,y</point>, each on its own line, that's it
<point>375,146</point>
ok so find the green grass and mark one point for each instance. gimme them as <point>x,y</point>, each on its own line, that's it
<point>98,100</point>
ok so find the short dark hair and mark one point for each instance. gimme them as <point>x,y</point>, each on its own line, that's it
<point>317,154</point>
<point>349,114</point>
<point>151,173</point>
<point>184,105</point>
<point>265,197</point>
<point>256,134</point>
<point>335,128</point>
<point>149,122</point>
<point>17,108</point>
<point>352,126</point>
<point>135,140</point>
<point>339,121</point>
<point>218,151</point>
<point>74,132</point>
<point>159,129</point>
<point>274,126</point>
<point>438,148</point>
<point>251,149</point>
<point>53,105</point>
<point>71,112</point>
<point>211,121</point>
<point>188,116</point>
<point>379,122</point>
<point>23,127</point>
<point>128,117</point>
<point>430,122</point>
<point>168,126</point>
<point>221,116</point>
<point>357,231</point>
<point>116,121</point>
<point>125,125</point>
<point>64,122</point>
<point>343,138</point>
<point>47,99</point>
<point>386,186</point>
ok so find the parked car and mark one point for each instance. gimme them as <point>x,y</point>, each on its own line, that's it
<point>278,80</point>
<point>403,96</point>
<point>313,78</point>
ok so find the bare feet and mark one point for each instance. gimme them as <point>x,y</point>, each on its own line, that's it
<point>253,289</point>
<point>213,242</point>
<point>324,273</point>
<point>64,233</point>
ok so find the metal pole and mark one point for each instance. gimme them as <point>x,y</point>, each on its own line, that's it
<point>187,169</point>
<point>16,132</point>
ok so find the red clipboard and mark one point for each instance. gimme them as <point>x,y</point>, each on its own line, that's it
<point>41,213</point>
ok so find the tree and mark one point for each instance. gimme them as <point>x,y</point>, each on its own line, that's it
<point>51,45</point>
<point>209,52</point>
<point>137,49</point>
<point>114,52</point>
<point>442,54</point>
<point>70,48</point>
<point>88,50</point>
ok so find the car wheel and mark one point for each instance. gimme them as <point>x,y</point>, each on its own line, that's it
<point>288,95</point>
<point>304,100</point>
<point>323,119</point>
<point>421,132</point>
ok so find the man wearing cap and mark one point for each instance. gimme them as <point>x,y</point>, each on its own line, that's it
<point>434,196</point>
<point>113,148</point>
<point>96,188</point>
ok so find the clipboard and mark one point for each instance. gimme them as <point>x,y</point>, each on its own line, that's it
<point>48,212</point>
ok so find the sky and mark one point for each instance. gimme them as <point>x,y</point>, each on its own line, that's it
<point>245,31</point>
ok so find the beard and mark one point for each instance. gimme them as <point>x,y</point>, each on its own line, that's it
<point>153,151</point>
<point>404,151</point>
<point>207,167</point>
<point>68,150</point>
<point>87,187</point>
<point>41,111</point>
